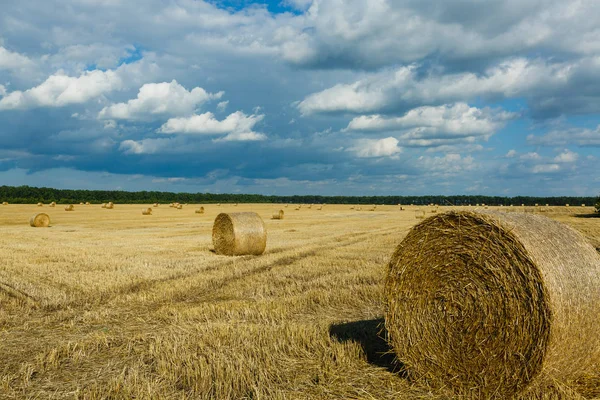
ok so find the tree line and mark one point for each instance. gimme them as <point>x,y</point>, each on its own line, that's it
<point>32,195</point>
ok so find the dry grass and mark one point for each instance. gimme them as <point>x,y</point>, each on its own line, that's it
<point>117,312</point>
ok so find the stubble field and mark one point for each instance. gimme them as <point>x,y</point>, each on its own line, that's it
<point>116,304</point>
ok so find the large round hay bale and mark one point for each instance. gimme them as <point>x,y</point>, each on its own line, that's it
<point>199,210</point>
<point>70,207</point>
<point>278,215</point>
<point>4,203</point>
<point>40,204</point>
<point>487,304</point>
<point>39,220</point>
<point>53,204</point>
<point>240,233</point>
<point>147,211</point>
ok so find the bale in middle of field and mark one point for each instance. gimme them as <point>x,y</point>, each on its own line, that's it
<point>241,233</point>
<point>39,220</point>
<point>147,211</point>
<point>278,215</point>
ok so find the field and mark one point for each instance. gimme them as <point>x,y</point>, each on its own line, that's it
<point>116,304</point>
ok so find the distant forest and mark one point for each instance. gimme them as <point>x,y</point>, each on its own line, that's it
<point>30,195</point>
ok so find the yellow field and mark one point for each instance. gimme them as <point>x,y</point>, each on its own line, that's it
<point>116,304</point>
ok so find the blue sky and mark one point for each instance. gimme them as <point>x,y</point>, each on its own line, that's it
<point>331,97</point>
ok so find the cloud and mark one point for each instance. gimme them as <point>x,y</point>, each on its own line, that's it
<point>511,153</point>
<point>12,60</point>
<point>560,137</point>
<point>367,148</point>
<point>237,126</point>
<point>406,87</point>
<point>157,99</point>
<point>567,156</point>
<point>146,146</point>
<point>60,90</point>
<point>365,34</point>
<point>441,122</point>
<point>545,168</point>
<point>222,106</point>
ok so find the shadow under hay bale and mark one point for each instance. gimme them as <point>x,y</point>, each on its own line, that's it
<point>199,210</point>
<point>370,335</point>
<point>40,220</point>
<point>490,304</point>
<point>241,233</point>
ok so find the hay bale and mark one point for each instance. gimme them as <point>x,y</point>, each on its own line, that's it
<point>81,203</point>
<point>70,207</point>
<point>40,204</point>
<point>239,233</point>
<point>320,208</point>
<point>110,205</point>
<point>179,206</point>
<point>155,205</point>
<point>103,205</point>
<point>147,211</point>
<point>419,214</point>
<point>39,220</point>
<point>4,203</point>
<point>87,203</point>
<point>490,304</point>
<point>53,204</point>
<point>278,215</point>
<point>199,210</point>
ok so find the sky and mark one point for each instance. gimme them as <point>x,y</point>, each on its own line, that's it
<point>329,97</point>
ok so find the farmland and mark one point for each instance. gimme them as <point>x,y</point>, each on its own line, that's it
<point>116,304</point>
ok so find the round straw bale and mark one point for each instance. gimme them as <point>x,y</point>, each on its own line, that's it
<point>40,204</point>
<point>239,233</point>
<point>70,207</point>
<point>278,215</point>
<point>103,205</point>
<point>179,206</point>
<point>199,210</point>
<point>155,205</point>
<point>4,203</point>
<point>110,205</point>
<point>53,204</point>
<point>87,203</point>
<point>39,220</point>
<point>147,211</point>
<point>488,304</point>
<point>81,203</point>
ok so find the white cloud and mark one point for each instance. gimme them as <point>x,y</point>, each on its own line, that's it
<point>449,164</point>
<point>531,156</point>
<point>545,168</point>
<point>237,126</point>
<point>403,88</point>
<point>222,106</point>
<point>511,153</point>
<point>146,146</point>
<point>11,60</point>
<point>61,90</point>
<point>567,156</point>
<point>159,99</point>
<point>2,90</point>
<point>367,148</point>
<point>457,120</point>
<point>562,137</point>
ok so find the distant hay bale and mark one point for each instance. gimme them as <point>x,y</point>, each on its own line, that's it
<point>567,205</point>
<point>81,203</point>
<point>320,208</point>
<point>39,220</point>
<point>286,206</point>
<point>53,204</point>
<point>235,205</point>
<point>4,203</point>
<point>435,210</point>
<point>199,210</point>
<point>110,205</point>
<point>171,205</point>
<point>70,207</point>
<point>297,208</point>
<point>278,215</point>
<point>310,206</point>
<point>492,318</point>
<point>372,208</point>
<point>239,233</point>
<point>103,205</point>
<point>219,205</point>
<point>179,206</point>
<point>155,205</point>
<point>40,204</point>
<point>87,203</point>
<point>147,211</point>
<point>419,214</point>
<point>352,208</point>
<point>583,205</point>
